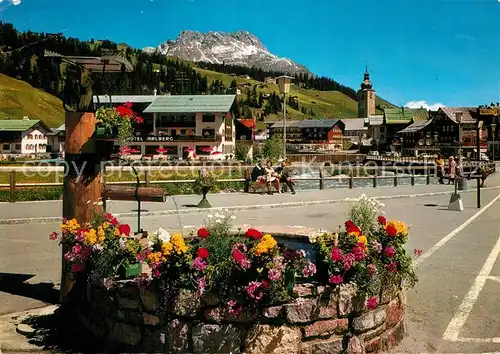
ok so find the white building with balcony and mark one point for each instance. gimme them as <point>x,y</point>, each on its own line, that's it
<point>23,136</point>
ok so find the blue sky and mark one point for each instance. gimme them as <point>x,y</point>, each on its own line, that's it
<point>444,52</point>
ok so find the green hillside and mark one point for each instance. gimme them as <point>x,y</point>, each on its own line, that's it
<point>18,99</point>
<point>331,104</point>
<point>21,99</point>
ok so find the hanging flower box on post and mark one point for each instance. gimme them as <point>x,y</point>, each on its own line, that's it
<point>202,185</point>
<point>116,122</point>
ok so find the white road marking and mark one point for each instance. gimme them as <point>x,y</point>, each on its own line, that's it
<point>461,315</point>
<point>452,234</point>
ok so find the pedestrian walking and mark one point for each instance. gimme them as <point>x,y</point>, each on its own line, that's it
<point>452,170</point>
<point>440,168</point>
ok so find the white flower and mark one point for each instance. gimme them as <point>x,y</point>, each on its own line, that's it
<point>98,247</point>
<point>123,243</point>
<point>163,235</point>
<point>300,301</point>
<point>302,253</point>
<point>219,216</point>
<point>218,221</point>
<point>210,216</point>
<point>233,217</point>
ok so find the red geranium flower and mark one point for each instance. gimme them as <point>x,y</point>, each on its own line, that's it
<point>391,231</point>
<point>76,268</point>
<point>111,219</point>
<point>124,111</point>
<point>139,120</point>
<point>124,229</point>
<point>128,104</point>
<point>382,220</point>
<point>390,252</point>
<point>53,236</point>
<point>371,303</point>
<point>253,233</point>
<point>348,224</point>
<point>203,232</point>
<point>336,279</point>
<point>336,254</point>
<point>202,253</point>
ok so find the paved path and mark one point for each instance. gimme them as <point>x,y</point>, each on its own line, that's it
<point>453,309</point>
<point>51,210</point>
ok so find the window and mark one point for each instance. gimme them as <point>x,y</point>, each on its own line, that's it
<point>208,118</point>
<point>30,136</point>
<point>40,146</point>
<point>6,147</point>
<point>208,133</point>
<point>18,146</point>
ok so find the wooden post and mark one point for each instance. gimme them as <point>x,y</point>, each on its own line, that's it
<point>247,180</point>
<point>12,180</point>
<point>478,193</point>
<point>375,181</point>
<point>395,180</point>
<point>82,181</point>
<point>428,178</point>
<point>412,179</point>
<point>321,179</point>
<point>147,177</point>
<point>351,182</point>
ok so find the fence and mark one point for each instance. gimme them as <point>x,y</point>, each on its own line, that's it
<point>425,171</point>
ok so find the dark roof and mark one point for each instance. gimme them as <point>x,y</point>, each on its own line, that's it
<point>191,104</point>
<point>417,126</point>
<point>307,123</point>
<point>469,113</point>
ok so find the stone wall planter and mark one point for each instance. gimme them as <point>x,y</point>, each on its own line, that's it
<point>320,320</point>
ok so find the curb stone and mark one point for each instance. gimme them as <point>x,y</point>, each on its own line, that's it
<point>53,219</point>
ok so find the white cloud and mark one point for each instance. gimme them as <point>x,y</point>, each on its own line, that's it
<point>14,2</point>
<point>424,104</point>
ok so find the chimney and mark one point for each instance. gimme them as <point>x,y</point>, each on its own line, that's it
<point>26,118</point>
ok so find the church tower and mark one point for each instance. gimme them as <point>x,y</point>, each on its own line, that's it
<point>366,97</point>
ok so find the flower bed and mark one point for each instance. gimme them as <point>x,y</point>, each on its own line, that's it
<point>220,291</point>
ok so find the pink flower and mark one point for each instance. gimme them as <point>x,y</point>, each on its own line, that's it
<point>372,269</point>
<point>108,283</point>
<point>240,258</point>
<point>199,264</point>
<point>336,254</point>
<point>251,290</point>
<point>234,308</point>
<point>309,270</point>
<point>69,256</point>
<point>349,261</point>
<point>371,303</point>
<point>156,273</point>
<point>202,284</point>
<point>76,249</point>
<point>359,253</point>
<point>418,252</point>
<point>377,246</point>
<point>53,236</point>
<point>392,267</point>
<point>274,274</point>
<point>336,279</point>
<point>390,252</point>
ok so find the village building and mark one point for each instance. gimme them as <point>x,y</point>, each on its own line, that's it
<point>181,125</point>
<point>56,140</point>
<point>355,129</point>
<point>23,136</point>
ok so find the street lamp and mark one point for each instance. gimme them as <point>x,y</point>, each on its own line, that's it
<point>493,133</point>
<point>284,86</point>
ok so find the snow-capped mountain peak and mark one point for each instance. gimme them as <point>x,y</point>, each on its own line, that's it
<point>237,48</point>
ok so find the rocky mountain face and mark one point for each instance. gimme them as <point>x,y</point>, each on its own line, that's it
<point>237,48</point>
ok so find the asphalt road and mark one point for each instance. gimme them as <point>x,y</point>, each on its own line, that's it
<point>453,264</point>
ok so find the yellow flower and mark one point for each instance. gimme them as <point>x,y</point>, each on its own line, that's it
<point>400,227</point>
<point>101,234</point>
<point>90,237</point>
<point>116,232</point>
<point>362,239</point>
<point>167,248</point>
<point>105,225</point>
<point>155,257</point>
<point>70,226</point>
<point>267,243</point>
<point>178,242</point>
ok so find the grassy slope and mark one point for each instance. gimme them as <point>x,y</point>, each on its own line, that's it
<point>331,104</point>
<point>18,99</point>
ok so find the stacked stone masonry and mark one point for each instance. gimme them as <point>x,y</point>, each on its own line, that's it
<point>321,320</point>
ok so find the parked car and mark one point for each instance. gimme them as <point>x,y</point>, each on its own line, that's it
<point>373,153</point>
<point>484,157</point>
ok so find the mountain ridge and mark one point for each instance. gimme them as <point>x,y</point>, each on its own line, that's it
<point>233,48</point>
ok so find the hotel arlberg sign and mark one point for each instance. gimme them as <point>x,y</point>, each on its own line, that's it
<point>155,138</point>
<point>493,111</point>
